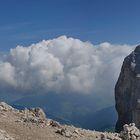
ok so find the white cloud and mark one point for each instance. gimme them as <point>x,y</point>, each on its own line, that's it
<point>63,65</point>
<point>7,74</point>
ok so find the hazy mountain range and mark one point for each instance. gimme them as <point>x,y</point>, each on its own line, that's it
<point>80,111</point>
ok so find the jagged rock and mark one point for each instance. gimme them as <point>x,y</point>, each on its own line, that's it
<point>130,132</point>
<point>110,136</point>
<point>127,91</point>
<point>60,131</point>
<point>64,132</point>
<point>53,123</point>
<point>34,115</point>
<point>6,107</point>
<point>38,112</point>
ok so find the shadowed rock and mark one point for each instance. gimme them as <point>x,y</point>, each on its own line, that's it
<point>127,91</point>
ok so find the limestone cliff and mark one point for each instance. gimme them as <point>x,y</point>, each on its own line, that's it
<point>127,91</point>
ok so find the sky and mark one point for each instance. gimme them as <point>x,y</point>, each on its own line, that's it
<point>30,21</point>
<point>65,46</point>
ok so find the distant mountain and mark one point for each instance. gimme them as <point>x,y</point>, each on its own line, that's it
<point>79,111</point>
<point>19,107</point>
<point>103,120</point>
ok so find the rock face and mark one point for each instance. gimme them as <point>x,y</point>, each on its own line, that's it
<point>127,91</point>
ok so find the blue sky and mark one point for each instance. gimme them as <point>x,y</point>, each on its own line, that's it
<point>30,21</point>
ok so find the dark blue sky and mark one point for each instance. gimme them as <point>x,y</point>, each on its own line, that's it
<point>28,21</point>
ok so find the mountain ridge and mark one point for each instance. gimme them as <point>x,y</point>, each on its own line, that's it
<point>73,111</point>
<point>32,124</point>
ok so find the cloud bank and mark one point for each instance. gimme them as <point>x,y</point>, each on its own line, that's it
<point>62,65</point>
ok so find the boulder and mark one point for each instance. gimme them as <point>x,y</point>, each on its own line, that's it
<point>130,132</point>
<point>34,115</point>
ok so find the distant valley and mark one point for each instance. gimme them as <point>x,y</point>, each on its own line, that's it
<point>78,111</point>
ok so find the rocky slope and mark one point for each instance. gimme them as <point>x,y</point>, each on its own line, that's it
<point>127,91</point>
<point>32,124</point>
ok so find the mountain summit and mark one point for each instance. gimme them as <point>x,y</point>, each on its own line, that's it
<point>32,124</point>
<point>127,91</point>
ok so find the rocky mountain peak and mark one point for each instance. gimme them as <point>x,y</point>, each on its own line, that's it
<point>127,91</point>
<point>137,49</point>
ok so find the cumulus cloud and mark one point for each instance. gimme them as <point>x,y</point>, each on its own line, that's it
<point>62,65</point>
